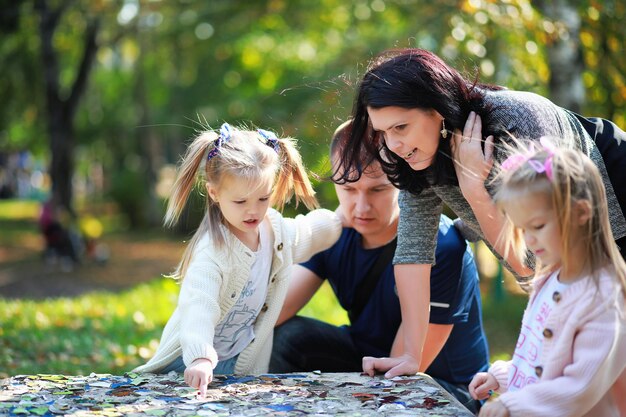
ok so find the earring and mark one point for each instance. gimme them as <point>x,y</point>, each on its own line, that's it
<point>444,132</point>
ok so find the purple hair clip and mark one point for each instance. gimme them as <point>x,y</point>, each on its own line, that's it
<point>270,138</point>
<point>225,134</point>
<point>513,162</point>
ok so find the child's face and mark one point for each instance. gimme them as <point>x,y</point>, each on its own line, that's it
<point>243,203</point>
<point>534,215</point>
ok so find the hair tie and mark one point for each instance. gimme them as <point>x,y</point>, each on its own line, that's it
<point>225,134</point>
<point>270,139</point>
<point>513,162</point>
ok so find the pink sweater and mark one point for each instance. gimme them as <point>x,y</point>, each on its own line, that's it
<point>583,371</point>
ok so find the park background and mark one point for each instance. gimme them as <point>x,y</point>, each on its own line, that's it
<point>99,97</point>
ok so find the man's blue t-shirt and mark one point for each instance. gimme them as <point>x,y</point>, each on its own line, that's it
<point>454,296</point>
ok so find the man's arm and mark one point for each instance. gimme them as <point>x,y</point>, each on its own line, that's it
<point>436,337</point>
<point>303,285</point>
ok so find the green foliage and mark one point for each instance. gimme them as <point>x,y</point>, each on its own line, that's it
<point>128,191</point>
<point>108,332</point>
<point>502,321</point>
<point>290,66</point>
<point>100,332</point>
<point>114,332</point>
<point>19,210</point>
<point>325,306</point>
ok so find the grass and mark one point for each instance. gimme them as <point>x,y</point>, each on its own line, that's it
<point>108,332</point>
<point>98,332</point>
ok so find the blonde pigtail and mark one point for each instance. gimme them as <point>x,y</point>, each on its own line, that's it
<point>292,178</point>
<point>250,155</point>
<point>188,173</point>
<point>187,176</point>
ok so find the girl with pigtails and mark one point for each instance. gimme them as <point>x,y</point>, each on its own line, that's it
<point>235,269</point>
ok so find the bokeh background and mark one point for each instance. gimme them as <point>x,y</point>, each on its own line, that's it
<point>98,99</point>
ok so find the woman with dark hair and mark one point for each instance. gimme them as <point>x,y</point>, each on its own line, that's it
<point>416,105</point>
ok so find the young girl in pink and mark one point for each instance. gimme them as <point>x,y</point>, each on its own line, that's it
<point>236,267</point>
<point>570,357</point>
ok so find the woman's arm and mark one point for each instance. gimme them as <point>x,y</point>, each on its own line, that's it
<point>413,283</point>
<point>472,167</point>
<point>436,337</point>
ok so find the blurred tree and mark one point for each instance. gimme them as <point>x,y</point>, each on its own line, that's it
<point>603,34</point>
<point>61,105</point>
<point>164,70</point>
<point>565,55</point>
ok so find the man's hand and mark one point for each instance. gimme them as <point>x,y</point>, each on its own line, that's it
<point>199,375</point>
<point>401,365</point>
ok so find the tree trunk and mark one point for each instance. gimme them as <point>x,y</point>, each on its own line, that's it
<point>565,57</point>
<point>149,146</point>
<point>60,112</point>
<point>61,134</point>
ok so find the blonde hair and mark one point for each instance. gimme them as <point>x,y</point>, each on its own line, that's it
<point>245,154</point>
<point>566,176</point>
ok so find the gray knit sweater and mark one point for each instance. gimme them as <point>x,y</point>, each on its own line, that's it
<point>524,115</point>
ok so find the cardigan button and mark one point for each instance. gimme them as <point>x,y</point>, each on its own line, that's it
<point>264,308</point>
<point>538,371</point>
<point>233,295</point>
<point>556,297</point>
<point>280,246</point>
<point>547,333</point>
<point>274,279</point>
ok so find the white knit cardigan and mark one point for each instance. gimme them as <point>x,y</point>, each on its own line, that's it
<point>215,278</point>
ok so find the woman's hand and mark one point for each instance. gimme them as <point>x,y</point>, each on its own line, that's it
<point>199,375</point>
<point>494,409</point>
<point>402,365</point>
<point>471,164</point>
<point>482,384</point>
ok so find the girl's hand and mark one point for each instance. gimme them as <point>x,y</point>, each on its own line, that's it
<point>401,365</point>
<point>471,165</point>
<point>199,375</point>
<point>494,409</point>
<point>481,384</point>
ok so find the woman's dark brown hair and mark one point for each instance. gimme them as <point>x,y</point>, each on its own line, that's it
<point>411,79</point>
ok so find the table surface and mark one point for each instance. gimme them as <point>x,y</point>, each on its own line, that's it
<point>310,393</point>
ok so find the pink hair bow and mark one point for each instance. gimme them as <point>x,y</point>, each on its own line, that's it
<point>514,161</point>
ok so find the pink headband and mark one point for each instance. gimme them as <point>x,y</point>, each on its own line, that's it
<point>514,161</point>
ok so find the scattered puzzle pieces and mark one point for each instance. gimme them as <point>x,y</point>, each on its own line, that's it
<point>316,394</point>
